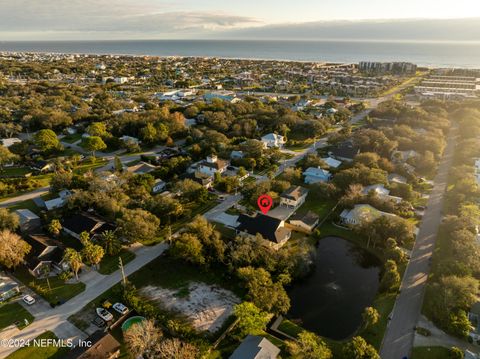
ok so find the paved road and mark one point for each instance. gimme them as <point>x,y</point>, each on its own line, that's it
<point>398,340</point>
<point>23,197</point>
<point>55,319</point>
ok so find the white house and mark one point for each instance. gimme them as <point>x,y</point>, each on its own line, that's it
<point>332,162</point>
<point>362,213</point>
<point>7,142</point>
<point>316,175</point>
<point>273,140</point>
<point>28,220</point>
<point>293,197</point>
<point>381,192</point>
<point>129,139</point>
<point>212,165</point>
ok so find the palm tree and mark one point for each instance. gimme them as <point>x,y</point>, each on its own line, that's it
<point>55,227</point>
<point>110,243</point>
<point>74,259</point>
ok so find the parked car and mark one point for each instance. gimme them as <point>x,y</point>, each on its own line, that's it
<point>104,314</point>
<point>120,308</point>
<point>99,322</point>
<point>28,299</point>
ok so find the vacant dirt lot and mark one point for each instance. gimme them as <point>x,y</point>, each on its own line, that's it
<point>206,306</point>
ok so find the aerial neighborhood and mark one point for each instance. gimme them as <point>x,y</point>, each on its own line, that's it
<point>132,213</point>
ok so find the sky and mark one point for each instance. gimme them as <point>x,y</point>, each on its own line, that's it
<point>194,19</point>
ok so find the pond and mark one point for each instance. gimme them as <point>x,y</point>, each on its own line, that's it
<point>330,301</point>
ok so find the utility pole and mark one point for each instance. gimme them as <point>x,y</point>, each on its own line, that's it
<point>120,265</point>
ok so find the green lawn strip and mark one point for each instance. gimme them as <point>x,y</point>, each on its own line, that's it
<point>40,352</point>
<point>28,204</point>
<point>383,304</point>
<point>60,291</point>
<point>321,208</point>
<point>72,138</point>
<point>430,353</point>
<point>15,171</point>
<point>12,312</point>
<point>88,165</point>
<point>109,264</point>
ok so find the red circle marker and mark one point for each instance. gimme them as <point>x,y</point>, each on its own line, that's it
<point>264,203</point>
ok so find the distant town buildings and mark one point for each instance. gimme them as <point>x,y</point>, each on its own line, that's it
<point>397,68</point>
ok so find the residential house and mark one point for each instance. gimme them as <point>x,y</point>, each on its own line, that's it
<point>255,347</point>
<point>29,221</point>
<point>236,155</point>
<point>203,179</point>
<point>46,254</point>
<point>141,168</point>
<point>272,140</point>
<point>158,186</point>
<point>43,166</point>
<point>316,175</point>
<point>305,222</point>
<point>7,142</point>
<point>332,162</point>
<point>271,229</point>
<point>212,165</point>
<point>381,192</point>
<point>396,178</point>
<point>129,139</point>
<point>293,197</point>
<point>74,225</point>
<point>8,288</point>
<point>362,213</point>
<point>345,151</point>
<point>103,346</point>
<point>59,201</point>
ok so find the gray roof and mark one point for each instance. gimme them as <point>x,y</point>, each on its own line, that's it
<point>255,347</point>
<point>26,214</point>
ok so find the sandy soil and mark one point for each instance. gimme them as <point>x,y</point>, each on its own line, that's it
<point>206,306</point>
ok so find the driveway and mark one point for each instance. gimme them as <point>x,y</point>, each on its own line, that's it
<point>399,336</point>
<point>23,197</point>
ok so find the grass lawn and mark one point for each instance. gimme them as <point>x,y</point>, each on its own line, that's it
<point>109,264</point>
<point>12,312</point>
<point>59,290</point>
<point>72,138</point>
<point>321,208</point>
<point>48,352</point>
<point>430,353</point>
<point>28,204</point>
<point>88,165</point>
<point>15,171</point>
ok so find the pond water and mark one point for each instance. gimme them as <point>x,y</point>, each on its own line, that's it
<point>330,301</point>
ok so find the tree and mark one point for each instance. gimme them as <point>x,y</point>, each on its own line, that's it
<point>13,249</point>
<point>117,164</point>
<point>455,353</point>
<point>74,260</point>
<point>54,227</point>
<point>84,238</point>
<point>93,253</point>
<point>8,220</point>
<point>189,248</point>
<point>370,317</point>
<point>263,292</point>
<point>391,278</point>
<point>148,133</point>
<point>308,346</point>
<point>358,348</point>
<point>251,320</point>
<point>98,129</point>
<point>138,225</point>
<point>174,348</point>
<point>110,243</point>
<point>93,143</point>
<point>6,157</point>
<point>141,338</point>
<point>46,140</point>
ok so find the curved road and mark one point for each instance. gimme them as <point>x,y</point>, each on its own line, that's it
<point>398,340</point>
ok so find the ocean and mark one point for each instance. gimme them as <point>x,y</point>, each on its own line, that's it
<point>432,54</point>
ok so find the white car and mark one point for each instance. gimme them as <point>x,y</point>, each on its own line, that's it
<point>120,308</point>
<point>28,299</point>
<point>104,314</point>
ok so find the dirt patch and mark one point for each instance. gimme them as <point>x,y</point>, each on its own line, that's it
<point>206,306</point>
